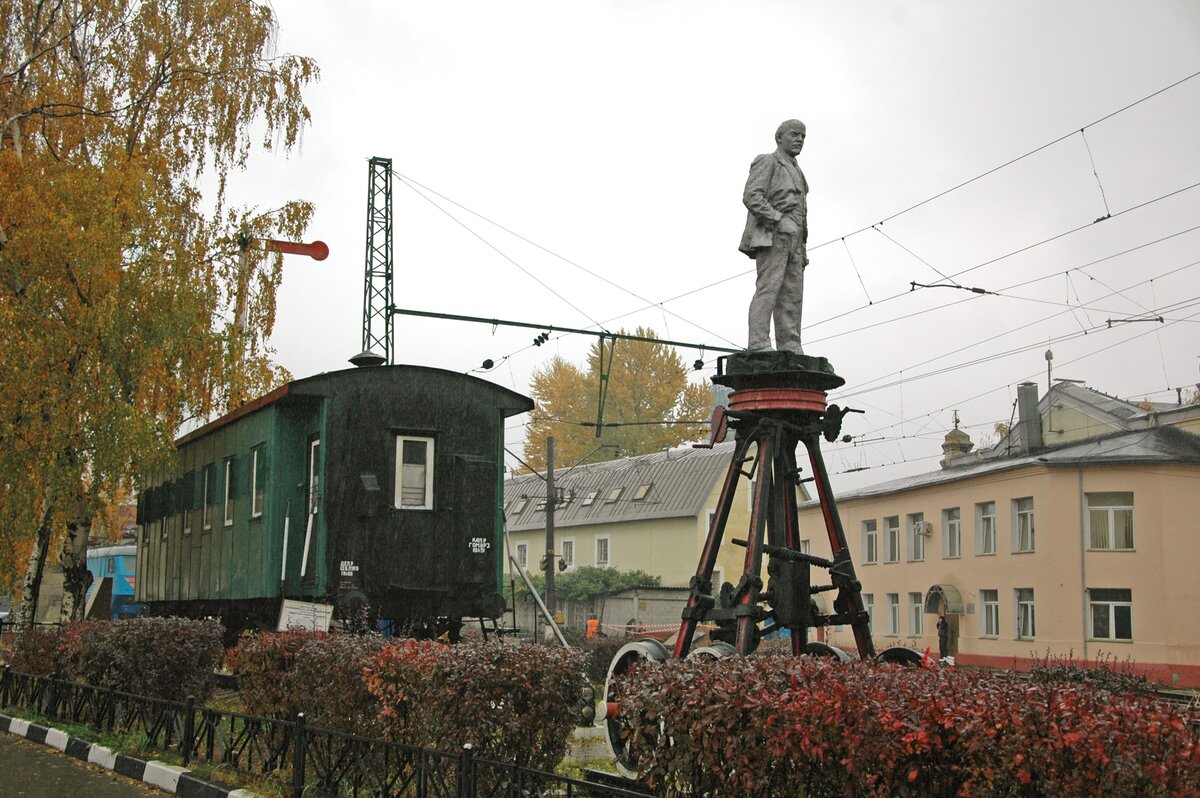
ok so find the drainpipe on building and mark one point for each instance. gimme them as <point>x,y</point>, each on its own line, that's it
<point>1083,547</point>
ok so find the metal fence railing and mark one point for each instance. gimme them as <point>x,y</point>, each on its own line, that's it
<point>308,760</point>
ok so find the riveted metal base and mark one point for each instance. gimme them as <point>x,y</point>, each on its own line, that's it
<point>766,369</point>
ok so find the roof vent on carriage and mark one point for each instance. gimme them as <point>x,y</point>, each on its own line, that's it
<point>367,358</point>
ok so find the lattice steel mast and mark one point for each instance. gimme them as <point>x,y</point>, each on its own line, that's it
<point>377,287</point>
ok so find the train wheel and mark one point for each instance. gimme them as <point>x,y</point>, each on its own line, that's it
<point>899,655</point>
<point>818,649</point>
<point>616,727</point>
<point>717,650</point>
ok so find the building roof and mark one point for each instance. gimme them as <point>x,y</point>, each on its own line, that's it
<point>679,482</point>
<point>1156,445</point>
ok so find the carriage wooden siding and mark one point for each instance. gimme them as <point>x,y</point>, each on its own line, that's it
<point>322,453</point>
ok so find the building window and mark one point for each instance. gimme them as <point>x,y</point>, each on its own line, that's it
<point>804,546</point>
<point>207,498</point>
<point>523,555</point>
<point>951,533</point>
<point>893,538</point>
<point>228,498</point>
<point>568,552</point>
<point>870,535</point>
<point>1112,613</point>
<point>718,579</point>
<point>985,528</point>
<point>1026,628</point>
<point>1110,521</point>
<point>1023,524</point>
<point>916,536</point>
<point>518,506</point>
<point>414,473</point>
<point>590,498</point>
<point>869,605</point>
<point>893,619</point>
<point>990,599</point>
<point>258,478</point>
<point>916,614</point>
<point>613,495</point>
<point>640,493</point>
<point>602,554</point>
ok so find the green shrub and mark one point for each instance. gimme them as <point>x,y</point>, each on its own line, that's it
<point>599,652</point>
<point>514,704</point>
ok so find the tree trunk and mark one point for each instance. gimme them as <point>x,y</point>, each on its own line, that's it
<point>31,585</point>
<point>76,576</point>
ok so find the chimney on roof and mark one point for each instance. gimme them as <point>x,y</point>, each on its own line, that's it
<point>1029,421</point>
<point>957,444</point>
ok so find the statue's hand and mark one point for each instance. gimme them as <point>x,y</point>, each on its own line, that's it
<point>787,226</point>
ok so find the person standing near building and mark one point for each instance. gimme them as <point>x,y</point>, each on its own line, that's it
<point>943,630</point>
<point>776,234</point>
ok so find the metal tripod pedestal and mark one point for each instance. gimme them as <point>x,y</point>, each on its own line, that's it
<point>778,403</point>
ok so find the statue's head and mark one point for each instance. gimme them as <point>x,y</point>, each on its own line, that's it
<point>791,124</point>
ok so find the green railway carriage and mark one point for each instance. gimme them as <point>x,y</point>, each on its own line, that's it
<point>375,489</point>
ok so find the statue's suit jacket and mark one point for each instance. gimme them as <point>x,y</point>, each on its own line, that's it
<point>775,188</point>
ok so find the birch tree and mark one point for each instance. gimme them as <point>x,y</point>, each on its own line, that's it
<point>118,270</point>
<point>650,405</point>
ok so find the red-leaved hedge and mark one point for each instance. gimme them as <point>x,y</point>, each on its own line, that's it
<point>169,658</point>
<point>785,727</point>
<point>318,673</point>
<point>514,704</point>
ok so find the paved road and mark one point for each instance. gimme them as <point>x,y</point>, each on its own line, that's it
<point>33,770</point>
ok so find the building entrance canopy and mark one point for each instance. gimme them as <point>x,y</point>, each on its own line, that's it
<point>939,593</point>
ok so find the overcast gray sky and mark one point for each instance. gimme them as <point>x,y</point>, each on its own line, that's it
<point>615,137</point>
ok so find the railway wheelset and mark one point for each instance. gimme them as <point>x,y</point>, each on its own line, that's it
<point>778,404</point>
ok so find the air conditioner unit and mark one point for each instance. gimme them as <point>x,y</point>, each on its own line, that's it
<point>924,528</point>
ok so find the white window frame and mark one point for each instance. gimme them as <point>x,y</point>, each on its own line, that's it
<point>1026,616</point>
<point>869,606</point>
<point>951,533</point>
<point>892,538</point>
<point>206,500</point>
<point>522,555</point>
<point>256,500</point>
<point>893,618</point>
<point>1111,605</point>
<point>1023,525</point>
<point>916,614</point>
<point>916,539</point>
<point>985,529</point>
<point>398,497</point>
<point>568,553</point>
<point>590,498</point>
<point>989,619</point>
<point>227,503</point>
<point>607,561</point>
<point>1104,504</point>
<point>870,535</point>
<point>805,546</point>
<point>613,495</point>
<point>641,492</point>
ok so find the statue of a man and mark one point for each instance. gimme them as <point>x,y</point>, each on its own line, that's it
<point>776,197</point>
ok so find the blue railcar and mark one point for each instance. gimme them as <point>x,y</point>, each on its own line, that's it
<point>114,579</point>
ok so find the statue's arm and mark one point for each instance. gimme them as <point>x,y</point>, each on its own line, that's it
<point>755,195</point>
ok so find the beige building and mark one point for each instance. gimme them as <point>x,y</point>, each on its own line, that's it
<point>648,513</point>
<point>1077,535</point>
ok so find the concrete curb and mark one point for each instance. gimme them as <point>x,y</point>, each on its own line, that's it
<point>171,778</point>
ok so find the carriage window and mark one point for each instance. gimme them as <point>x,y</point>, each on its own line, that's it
<point>228,517</point>
<point>414,473</point>
<point>258,481</point>
<point>207,499</point>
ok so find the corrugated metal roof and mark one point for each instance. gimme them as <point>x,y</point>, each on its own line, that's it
<point>679,480</point>
<point>1157,445</point>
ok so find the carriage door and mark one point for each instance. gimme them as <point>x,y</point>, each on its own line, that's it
<point>312,499</point>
